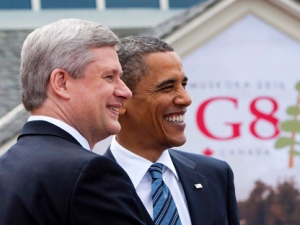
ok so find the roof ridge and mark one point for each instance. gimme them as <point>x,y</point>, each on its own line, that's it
<point>165,28</point>
<point>8,117</point>
<point>11,122</point>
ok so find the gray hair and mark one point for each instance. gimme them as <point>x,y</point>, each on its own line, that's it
<point>64,44</point>
<point>131,53</point>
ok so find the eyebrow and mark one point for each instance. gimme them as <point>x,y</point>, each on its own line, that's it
<point>170,81</point>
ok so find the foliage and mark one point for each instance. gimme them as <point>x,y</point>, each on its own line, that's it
<point>268,206</point>
<point>292,128</point>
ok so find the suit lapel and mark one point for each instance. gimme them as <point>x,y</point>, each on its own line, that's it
<point>109,154</point>
<point>197,198</point>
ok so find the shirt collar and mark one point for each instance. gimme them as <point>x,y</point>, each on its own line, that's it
<point>66,127</point>
<point>166,160</point>
<point>136,166</point>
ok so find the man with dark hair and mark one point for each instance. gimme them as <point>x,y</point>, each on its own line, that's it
<point>176,187</point>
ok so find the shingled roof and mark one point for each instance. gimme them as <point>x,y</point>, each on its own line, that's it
<point>12,116</point>
<point>169,26</point>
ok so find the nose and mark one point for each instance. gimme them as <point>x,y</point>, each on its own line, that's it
<point>183,98</point>
<point>122,90</point>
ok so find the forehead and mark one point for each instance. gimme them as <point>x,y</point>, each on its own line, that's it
<point>105,53</point>
<point>105,57</point>
<point>163,65</point>
<point>157,59</point>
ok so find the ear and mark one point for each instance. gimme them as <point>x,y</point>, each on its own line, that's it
<point>59,79</point>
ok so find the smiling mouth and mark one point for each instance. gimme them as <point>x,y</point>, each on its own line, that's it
<point>113,108</point>
<point>175,118</point>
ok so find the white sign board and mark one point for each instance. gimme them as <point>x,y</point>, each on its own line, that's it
<point>242,83</point>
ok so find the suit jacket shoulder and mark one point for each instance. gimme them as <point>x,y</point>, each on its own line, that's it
<point>202,163</point>
<point>208,185</point>
<point>48,178</point>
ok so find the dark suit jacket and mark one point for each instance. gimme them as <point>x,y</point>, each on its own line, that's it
<point>215,203</point>
<point>48,178</point>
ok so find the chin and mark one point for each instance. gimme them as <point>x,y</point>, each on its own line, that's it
<point>178,142</point>
<point>114,129</point>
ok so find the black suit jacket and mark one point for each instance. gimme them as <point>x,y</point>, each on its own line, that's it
<point>214,203</point>
<point>48,178</point>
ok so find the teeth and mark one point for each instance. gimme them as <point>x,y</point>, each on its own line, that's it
<point>175,119</point>
<point>113,108</point>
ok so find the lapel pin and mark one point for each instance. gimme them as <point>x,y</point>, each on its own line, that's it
<point>198,186</point>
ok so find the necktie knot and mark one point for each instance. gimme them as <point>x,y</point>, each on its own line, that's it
<point>156,170</point>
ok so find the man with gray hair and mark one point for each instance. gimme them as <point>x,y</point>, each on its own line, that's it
<point>70,80</point>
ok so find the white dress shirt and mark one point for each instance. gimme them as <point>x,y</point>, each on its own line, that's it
<point>66,127</point>
<point>137,169</point>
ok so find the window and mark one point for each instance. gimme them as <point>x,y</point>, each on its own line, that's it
<point>15,4</point>
<point>183,4</point>
<point>132,4</point>
<point>71,4</point>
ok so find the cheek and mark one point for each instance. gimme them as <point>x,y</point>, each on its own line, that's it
<point>157,119</point>
<point>103,93</point>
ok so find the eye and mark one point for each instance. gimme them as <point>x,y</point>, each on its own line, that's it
<point>109,77</point>
<point>167,88</point>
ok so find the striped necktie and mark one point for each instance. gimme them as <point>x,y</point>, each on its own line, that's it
<point>164,208</point>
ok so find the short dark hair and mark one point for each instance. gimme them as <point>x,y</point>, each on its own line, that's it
<point>131,55</point>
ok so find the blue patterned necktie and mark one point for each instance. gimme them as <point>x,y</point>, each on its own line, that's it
<point>164,208</point>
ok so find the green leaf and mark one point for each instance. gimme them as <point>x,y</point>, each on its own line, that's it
<point>298,86</point>
<point>283,142</point>
<point>294,152</point>
<point>293,110</point>
<point>291,126</point>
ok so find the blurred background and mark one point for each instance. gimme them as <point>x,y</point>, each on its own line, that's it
<point>242,60</point>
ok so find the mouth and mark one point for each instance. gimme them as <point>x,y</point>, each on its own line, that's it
<point>175,118</point>
<point>114,108</point>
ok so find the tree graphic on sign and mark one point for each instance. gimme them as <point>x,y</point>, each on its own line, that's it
<point>291,126</point>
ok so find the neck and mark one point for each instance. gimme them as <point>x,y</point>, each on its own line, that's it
<point>140,147</point>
